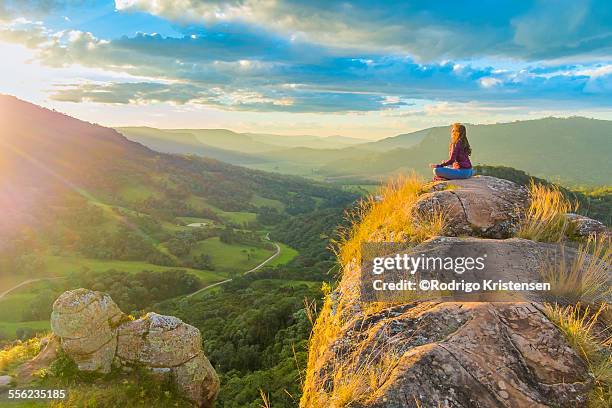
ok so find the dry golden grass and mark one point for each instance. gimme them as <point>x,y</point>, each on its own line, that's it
<point>389,220</point>
<point>324,331</point>
<point>355,382</point>
<point>18,353</point>
<point>545,220</point>
<point>585,279</point>
<point>591,337</point>
<point>265,399</point>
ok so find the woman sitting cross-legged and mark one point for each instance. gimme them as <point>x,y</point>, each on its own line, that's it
<point>458,165</point>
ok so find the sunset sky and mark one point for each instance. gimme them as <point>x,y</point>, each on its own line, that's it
<point>355,68</point>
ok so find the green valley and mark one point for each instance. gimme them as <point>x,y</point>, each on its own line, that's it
<point>152,227</point>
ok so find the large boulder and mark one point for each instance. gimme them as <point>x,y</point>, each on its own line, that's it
<point>444,352</point>
<point>480,206</point>
<point>95,333</point>
<point>198,380</point>
<point>513,259</point>
<point>467,355</point>
<point>388,349</point>
<point>158,341</point>
<point>169,345</point>
<point>86,323</point>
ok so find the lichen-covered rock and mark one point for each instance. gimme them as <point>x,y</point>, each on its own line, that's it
<point>76,313</point>
<point>158,341</point>
<point>198,380</point>
<point>457,355</point>
<point>99,360</point>
<point>85,321</point>
<point>95,334</point>
<point>480,206</point>
<point>454,353</point>
<point>584,226</point>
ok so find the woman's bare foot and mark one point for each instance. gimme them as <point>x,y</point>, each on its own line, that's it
<point>438,178</point>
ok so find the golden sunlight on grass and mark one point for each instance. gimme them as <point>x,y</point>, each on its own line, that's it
<point>355,383</point>
<point>545,220</point>
<point>352,382</point>
<point>390,219</point>
<point>19,352</point>
<point>585,279</point>
<point>589,334</point>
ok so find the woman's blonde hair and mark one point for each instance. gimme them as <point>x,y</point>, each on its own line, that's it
<point>459,133</point>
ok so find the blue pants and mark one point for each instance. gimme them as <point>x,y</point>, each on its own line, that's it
<point>452,174</point>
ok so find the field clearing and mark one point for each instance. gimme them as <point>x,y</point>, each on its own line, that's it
<point>259,201</point>
<point>12,306</point>
<point>9,329</point>
<point>361,188</point>
<point>237,217</point>
<point>231,258</point>
<point>286,255</point>
<point>62,265</point>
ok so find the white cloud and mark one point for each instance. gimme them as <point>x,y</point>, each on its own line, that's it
<point>489,82</point>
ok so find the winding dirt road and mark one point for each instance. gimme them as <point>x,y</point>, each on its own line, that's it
<point>27,282</point>
<point>277,253</point>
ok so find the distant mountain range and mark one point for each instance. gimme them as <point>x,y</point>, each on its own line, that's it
<point>227,140</point>
<point>574,150</point>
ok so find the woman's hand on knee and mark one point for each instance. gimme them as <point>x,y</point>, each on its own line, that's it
<point>433,165</point>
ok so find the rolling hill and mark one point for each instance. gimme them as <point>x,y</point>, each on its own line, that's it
<point>189,143</point>
<point>229,141</point>
<point>572,151</point>
<point>78,189</point>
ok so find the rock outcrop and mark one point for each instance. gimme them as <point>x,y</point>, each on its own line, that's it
<point>450,353</point>
<point>86,322</point>
<point>586,227</point>
<point>512,259</point>
<point>480,206</point>
<point>96,335</point>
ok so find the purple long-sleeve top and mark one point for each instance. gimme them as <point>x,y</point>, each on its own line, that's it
<point>458,155</point>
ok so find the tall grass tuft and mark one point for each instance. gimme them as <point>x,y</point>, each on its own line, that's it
<point>388,219</point>
<point>545,220</point>
<point>585,279</point>
<point>265,399</point>
<point>353,382</point>
<point>589,334</point>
